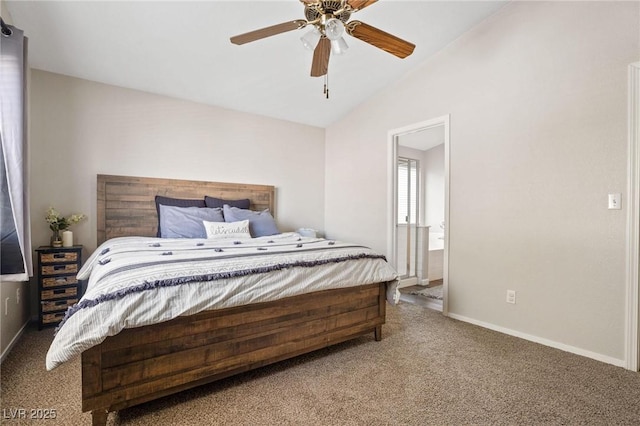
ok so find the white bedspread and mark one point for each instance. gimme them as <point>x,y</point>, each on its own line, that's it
<point>137,281</point>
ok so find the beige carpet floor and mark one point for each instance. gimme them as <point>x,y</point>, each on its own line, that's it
<point>427,370</point>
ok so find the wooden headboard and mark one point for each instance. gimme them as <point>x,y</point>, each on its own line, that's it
<point>126,204</point>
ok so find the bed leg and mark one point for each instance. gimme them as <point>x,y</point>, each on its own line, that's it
<point>378,333</point>
<point>99,417</point>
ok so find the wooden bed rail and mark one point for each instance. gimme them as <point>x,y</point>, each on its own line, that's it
<point>145,363</point>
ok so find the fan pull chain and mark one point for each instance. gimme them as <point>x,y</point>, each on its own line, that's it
<point>326,85</point>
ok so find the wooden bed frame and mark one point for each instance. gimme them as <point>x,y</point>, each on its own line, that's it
<point>145,363</point>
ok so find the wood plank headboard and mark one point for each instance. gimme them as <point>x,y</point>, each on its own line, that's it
<point>126,204</point>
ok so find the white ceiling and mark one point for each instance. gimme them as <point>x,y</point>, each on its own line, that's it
<point>182,49</point>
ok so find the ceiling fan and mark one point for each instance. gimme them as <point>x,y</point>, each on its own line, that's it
<point>330,20</point>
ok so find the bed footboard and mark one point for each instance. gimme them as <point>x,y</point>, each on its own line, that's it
<point>145,363</point>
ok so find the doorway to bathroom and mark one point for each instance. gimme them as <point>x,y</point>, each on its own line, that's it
<point>419,186</point>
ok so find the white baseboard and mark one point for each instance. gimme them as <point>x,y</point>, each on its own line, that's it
<point>542,341</point>
<point>432,304</point>
<point>13,342</point>
<point>407,282</point>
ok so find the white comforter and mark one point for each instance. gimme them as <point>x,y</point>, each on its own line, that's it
<point>136,281</point>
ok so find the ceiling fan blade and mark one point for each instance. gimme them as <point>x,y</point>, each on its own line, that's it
<point>360,4</point>
<point>320,64</point>
<point>268,31</point>
<point>380,39</point>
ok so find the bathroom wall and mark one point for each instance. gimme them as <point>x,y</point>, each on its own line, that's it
<point>433,170</point>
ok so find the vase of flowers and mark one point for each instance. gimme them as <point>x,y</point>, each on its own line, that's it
<point>59,223</point>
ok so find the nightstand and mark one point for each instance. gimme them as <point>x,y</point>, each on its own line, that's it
<point>58,287</point>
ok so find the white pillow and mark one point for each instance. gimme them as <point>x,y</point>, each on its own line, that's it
<point>224,230</point>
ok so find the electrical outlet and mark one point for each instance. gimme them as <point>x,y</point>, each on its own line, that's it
<point>18,296</point>
<point>511,296</point>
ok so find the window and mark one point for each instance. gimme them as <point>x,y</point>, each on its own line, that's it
<point>15,245</point>
<point>11,261</point>
<point>407,191</point>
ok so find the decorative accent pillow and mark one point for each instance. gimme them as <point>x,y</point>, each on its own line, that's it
<point>219,202</point>
<point>186,222</point>
<point>176,202</point>
<point>260,223</point>
<point>225,230</point>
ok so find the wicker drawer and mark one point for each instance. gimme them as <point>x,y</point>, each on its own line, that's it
<point>58,305</point>
<point>60,293</point>
<point>58,281</point>
<point>58,257</point>
<point>58,286</point>
<point>60,269</point>
<point>52,318</point>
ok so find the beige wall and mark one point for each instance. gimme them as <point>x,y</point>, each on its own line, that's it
<point>537,96</point>
<point>17,311</point>
<point>81,129</point>
<point>433,160</point>
<point>4,12</point>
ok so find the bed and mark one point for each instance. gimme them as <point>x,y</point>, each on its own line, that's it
<point>139,364</point>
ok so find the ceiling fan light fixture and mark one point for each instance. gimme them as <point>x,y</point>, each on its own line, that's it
<point>333,29</point>
<point>329,20</point>
<point>310,39</point>
<point>339,46</point>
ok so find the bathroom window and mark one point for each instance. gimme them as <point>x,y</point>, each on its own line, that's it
<point>407,191</point>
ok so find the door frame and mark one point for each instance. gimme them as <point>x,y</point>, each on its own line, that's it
<point>633,222</point>
<point>392,219</point>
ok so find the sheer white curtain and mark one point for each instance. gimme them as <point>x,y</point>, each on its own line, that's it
<point>15,249</point>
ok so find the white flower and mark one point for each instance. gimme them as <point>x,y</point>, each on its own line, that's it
<point>59,223</point>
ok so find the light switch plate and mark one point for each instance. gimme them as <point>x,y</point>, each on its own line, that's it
<point>614,202</point>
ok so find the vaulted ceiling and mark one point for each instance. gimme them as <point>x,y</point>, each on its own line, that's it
<point>182,49</point>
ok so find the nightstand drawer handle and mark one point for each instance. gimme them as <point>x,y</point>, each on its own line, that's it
<point>59,291</point>
<point>59,267</point>
<point>54,303</point>
<point>59,255</point>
